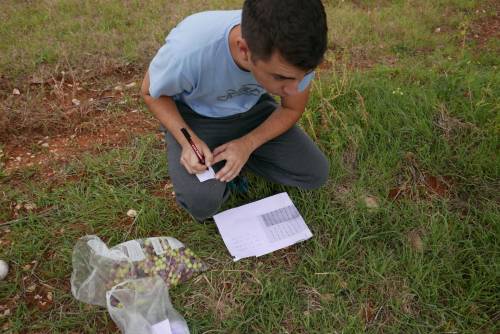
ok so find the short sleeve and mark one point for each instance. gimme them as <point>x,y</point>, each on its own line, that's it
<point>169,73</point>
<point>306,81</point>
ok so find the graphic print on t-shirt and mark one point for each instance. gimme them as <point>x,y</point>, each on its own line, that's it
<point>248,89</point>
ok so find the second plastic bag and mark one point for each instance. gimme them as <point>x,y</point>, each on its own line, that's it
<point>143,306</point>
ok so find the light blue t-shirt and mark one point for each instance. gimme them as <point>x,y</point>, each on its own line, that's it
<point>195,66</point>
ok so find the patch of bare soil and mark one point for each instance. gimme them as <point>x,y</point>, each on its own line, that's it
<point>113,132</point>
<point>164,189</point>
<point>487,27</point>
<point>50,102</point>
<point>356,58</point>
<point>415,184</point>
<point>57,118</point>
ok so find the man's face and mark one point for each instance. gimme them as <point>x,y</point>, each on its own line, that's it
<point>277,76</point>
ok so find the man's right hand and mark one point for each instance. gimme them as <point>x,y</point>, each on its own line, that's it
<point>189,159</point>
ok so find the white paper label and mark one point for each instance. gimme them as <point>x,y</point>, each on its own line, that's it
<point>162,327</point>
<point>157,246</point>
<point>174,243</point>
<point>134,250</point>
<point>206,175</point>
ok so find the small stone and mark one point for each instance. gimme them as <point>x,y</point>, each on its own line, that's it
<point>371,202</point>
<point>76,102</point>
<point>4,269</point>
<point>438,30</point>
<point>416,241</point>
<point>132,213</point>
<point>16,91</point>
<point>30,206</point>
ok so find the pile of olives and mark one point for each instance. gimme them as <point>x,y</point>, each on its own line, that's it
<point>174,266</point>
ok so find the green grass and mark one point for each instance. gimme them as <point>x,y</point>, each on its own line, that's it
<point>381,128</point>
<point>73,33</point>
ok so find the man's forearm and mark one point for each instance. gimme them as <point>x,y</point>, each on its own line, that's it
<point>282,119</point>
<point>166,112</point>
<point>277,123</point>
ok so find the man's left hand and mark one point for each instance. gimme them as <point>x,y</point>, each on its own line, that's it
<point>236,154</point>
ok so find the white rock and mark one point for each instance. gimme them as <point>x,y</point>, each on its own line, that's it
<point>371,202</point>
<point>30,206</point>
<point>16,91</point>
<point>4,269</point>
<point>132,213</point>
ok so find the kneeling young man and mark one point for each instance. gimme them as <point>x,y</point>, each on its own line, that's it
<point>214,76</point>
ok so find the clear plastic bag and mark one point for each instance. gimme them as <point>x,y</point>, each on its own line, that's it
<point>97,268</point>
<point>143,306</point>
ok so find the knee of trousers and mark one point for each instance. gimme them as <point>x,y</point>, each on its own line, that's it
<point>201,205</point>
<point>318,173</point>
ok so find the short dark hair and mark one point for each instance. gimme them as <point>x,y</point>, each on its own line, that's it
<point>297,29</point>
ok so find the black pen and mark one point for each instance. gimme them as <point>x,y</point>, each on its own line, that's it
<point>200,156</point>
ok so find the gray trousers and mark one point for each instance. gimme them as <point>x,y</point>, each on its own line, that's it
<point>291,159</point>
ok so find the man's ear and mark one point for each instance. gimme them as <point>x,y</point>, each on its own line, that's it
<point>243,49</point>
